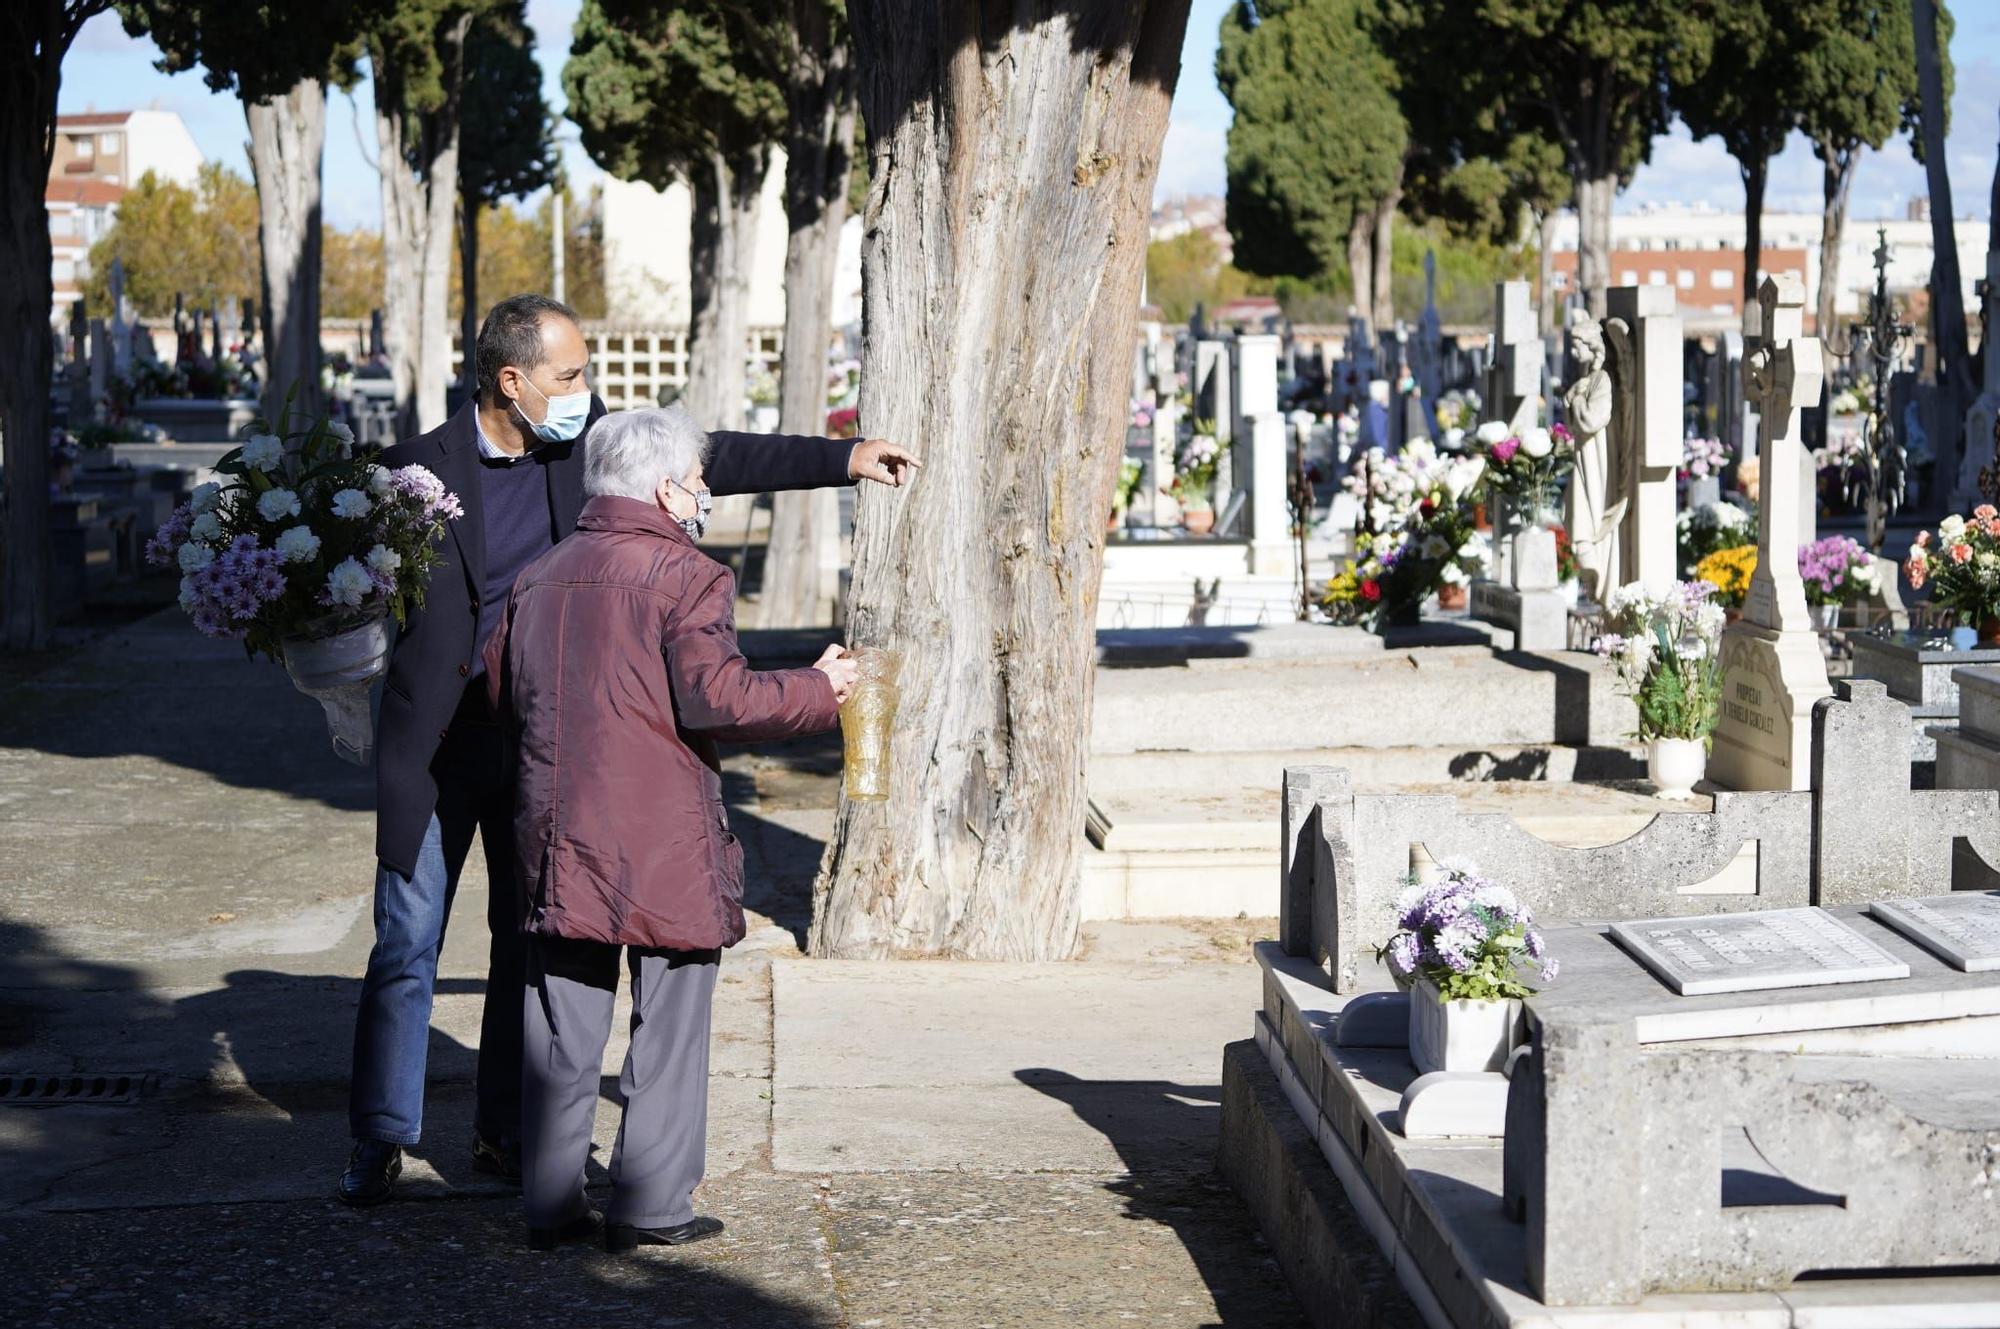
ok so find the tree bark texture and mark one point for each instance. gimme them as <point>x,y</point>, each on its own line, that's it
<point>34,37</point>
<point>1361,262</point>
<point>1014,150</point>
<point>1593,245</point>
<point>1956,389</point>
<point>1383,287</point>
<point>1549,309</point>
<point>1837,179</point>
<point>418,155</point>
<point>799,562</point>
<point>1755,174</point>
<point>287,144</point>
<point>722,246</point>
<point>468,278</point>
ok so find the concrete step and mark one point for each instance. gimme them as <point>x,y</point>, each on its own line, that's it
<point>1462,697</point>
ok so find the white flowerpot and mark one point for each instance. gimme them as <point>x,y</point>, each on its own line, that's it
<point>337,670</point>
<point>1675,765</point>
<point>1826,616</point>
<point>1460,1035</point>
<point>764,419</point>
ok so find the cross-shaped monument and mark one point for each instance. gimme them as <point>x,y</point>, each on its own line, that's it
<point>1772,669</point>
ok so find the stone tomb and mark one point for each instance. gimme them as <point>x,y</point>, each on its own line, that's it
<point>1917,667</point>
<point>1962,929</point>
<point>1779,948</point>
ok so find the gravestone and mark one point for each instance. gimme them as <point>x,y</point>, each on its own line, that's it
<point>1917,668</point>
<point>81,371</point>
<point>1962,929</point>
<point>1772,948</point>
<point>1427,351</point>
<point>215,346</point>
<point>1253,363</point>
<point>1165,435</point>
<point>1359,361</point>
<point>1514,380</point>
<point>1211,384</point>
<point>1984,413</point>
<point>1772,668</point>
<point>98,386</point>
<point>1642,475</point>
<point>121,319</point>
<point>1271,551</point>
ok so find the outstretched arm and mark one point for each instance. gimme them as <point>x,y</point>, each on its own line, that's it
<point>717,692</point>
<point>765,463</point>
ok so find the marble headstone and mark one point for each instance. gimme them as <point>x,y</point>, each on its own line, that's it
<point>1772,948</point>
<point>1962,929</point>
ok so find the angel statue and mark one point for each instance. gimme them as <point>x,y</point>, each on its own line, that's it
<point>1597,409</point>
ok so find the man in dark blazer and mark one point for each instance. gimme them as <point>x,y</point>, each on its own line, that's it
<point>514,458</point>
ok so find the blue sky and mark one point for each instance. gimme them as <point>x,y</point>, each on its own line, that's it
<point>109,71</point>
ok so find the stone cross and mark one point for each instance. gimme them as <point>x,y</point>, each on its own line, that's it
<point>121,319</point>
<point>1772,669</point>
<point>80,356</point>
<point>1647,550</point>
<point>1515,379</point>
<point>1253,360</point>
<point>1211,383</point>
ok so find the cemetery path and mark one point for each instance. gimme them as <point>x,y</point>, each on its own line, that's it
<point>185,872</point>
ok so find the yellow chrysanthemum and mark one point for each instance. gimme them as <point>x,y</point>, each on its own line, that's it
<point>1729,571</point>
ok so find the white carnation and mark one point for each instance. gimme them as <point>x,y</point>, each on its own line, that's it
<point>273,504</point>
<point>195,556</point>
<point>188,595</point>
<point>349,583</point>
<point>206,496</point>
<point>298,545</point>
<point>339,430</point>
<point>1493,431</point>
<point>1952,530</point>
<point>1537,443</point>
<point>351,503</point>
<point>205,528</point>
<point>379,483</point>
<point>384,559</point>
<point>263,452</point>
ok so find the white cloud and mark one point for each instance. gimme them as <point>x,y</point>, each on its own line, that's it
<point>104,33</point>
<point>1191,161</point>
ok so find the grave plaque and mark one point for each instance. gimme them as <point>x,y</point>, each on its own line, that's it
<point>1962,929</point>
<point>1774,948</point>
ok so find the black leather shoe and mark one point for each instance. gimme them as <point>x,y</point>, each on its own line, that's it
<point>621,1237</point>
<point>502,1160</point>
<point>581,1228</point>
<point>371,1173</point>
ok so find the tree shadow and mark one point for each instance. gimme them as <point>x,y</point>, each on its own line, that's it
<point>1165,1134</point>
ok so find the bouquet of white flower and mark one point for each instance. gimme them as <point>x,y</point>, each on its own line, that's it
<point>302,553</point>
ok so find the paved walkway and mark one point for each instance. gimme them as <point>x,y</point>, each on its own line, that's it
<point>183,874</point>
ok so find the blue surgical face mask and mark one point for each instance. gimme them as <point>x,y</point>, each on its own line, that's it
<point>564,418</point>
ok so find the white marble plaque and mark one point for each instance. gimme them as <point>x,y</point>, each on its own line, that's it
<point>1962,929</point>
<point>1771,948</point>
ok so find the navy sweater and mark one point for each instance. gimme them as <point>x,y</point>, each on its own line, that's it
<point>514,497</point>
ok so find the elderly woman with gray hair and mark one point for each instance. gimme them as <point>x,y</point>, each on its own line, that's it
<point>617,666</point>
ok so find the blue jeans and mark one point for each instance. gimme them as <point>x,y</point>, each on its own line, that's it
<point>392,1027</point>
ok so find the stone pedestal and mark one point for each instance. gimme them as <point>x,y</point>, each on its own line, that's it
<point>1514,381</point>
<point>1523,595</point>
<point>1271,551</point>
<point>1917,668</point>
<point>1968,757</point>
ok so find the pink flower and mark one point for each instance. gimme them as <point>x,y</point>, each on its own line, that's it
<point>1961,553</point>
<point>1924,539</point>
<point>1504,450</point>
<point>1986,512</point>
<point>1560,433</point>
<point>1917,572</point>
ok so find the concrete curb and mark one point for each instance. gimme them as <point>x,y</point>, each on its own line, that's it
<point>1267,1156</point>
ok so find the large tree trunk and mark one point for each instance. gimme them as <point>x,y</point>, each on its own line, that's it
<point>1384,285</point>
<point>287,144</point>
<point>1755,173</point>
<point>1550,309</point>
<point>1956,390</point>
<point>1361,263</point>
<point>722,246</point>
<point>1837,175</point>
<point>1593,243</point>
<point>468,293</point>
<point>34,37</point>
<point>419,207</point>
<point>801,560</point>
<point>1006,242</point>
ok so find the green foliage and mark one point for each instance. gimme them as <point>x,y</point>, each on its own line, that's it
<point>1753,93</point>
<point>1857,74</point>
<point>657,87</point>
<point>1186,270</point>
<point>416,51</point>
<point>1467,268</point>
<point>1317,133</point>
<point>258,49</point>
<point>1681,698</point>
<point>200,242</point>
<point>506,146</point>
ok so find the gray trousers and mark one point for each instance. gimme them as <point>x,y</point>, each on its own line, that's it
<point>662,1138</point>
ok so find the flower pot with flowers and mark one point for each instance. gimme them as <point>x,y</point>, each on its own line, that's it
<point>1703,528</point>
<point>1960,564</point>
<point>1667,653</point>
<point>1461,943</point>
<point>1193,485</point>
<point>1837,571</point>
<point>1729,572</point>
<point>1525,474</point>
<point>1700,476</point>
<point>303,552</point>
<point>1395,570</point>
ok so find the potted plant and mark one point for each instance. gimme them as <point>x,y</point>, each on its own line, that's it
<point>1729,572</point>
<point>303,552</point>
<point>1961,565</point>
<point>1525,472</point>
<point>1667,653</point>
<point>1129,471</point>
<point>1703,528</point>
<point>1395,570</point>
<point>1194,479</point>
<point>763,393</point>
<point>1837,570</point>
<point>1461,942</point>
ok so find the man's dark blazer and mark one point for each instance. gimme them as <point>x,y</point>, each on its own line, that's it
<point>434,653</point>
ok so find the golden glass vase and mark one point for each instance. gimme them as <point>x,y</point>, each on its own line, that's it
<point>867,718</point>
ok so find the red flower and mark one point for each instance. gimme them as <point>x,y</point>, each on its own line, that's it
<point>1427,507</point>
<point>1371,590</point>
<point>1916,571</point>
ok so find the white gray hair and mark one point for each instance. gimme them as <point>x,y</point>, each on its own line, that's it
<point>630,452</point>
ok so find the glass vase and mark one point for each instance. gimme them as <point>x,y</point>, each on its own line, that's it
<point>867,719</point>
<point>335,666</point>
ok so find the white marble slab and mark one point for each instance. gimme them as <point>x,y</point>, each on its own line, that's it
<point>1962,929</point>
<point>1756,952</point>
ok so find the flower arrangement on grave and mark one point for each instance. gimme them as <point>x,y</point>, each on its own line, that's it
<point>1194,469</point>
<point>1666,652</point>
<point>1529,467</point>
<point>1568,569</point>
<point>1466,935</point>
<point>1395,570</point>
<point>1706,527</point>
<point>1391,487</point>
<point>1837,570</point>
<point>1702,459</point>
<point>762,388</point>
<point>1960,564</point>
<point>1729,572</point>
<point>1142,412</point>
<point>302,552</point>
<point>1852,399</point>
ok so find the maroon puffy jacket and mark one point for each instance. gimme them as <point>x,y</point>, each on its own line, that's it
<point>617,665</point>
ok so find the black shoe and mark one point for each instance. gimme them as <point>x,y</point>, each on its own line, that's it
<point>621,1237</point>
<point>502,1160</point>
<point>581,1228</point>
<point>371,1173</point>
